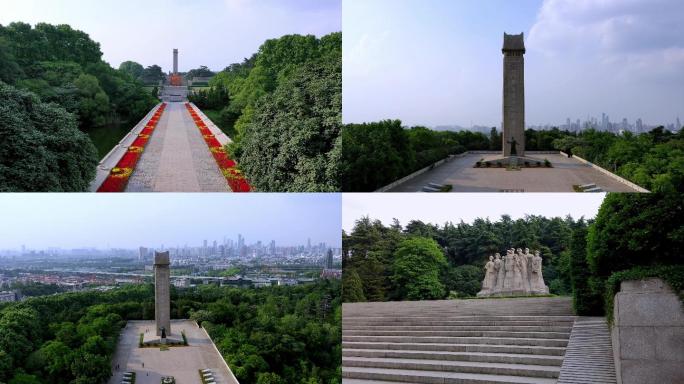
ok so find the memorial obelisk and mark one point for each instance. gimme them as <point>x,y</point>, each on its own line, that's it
<point>162,299</point>
<point>513,96</point>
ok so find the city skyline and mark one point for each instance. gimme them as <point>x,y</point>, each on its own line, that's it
<point>218,33</point>
<point>439,62</point>
<point>69,221</point>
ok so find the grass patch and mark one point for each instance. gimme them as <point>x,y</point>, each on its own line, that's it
<point>446,188</point>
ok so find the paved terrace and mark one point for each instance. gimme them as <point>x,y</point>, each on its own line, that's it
<point>176,158</point>
<point>182,363</point>
<point>566,172</point>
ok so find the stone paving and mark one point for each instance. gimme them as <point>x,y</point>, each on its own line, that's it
<point>176,158</point>
<point>565,173</point>
<point>182,363</point>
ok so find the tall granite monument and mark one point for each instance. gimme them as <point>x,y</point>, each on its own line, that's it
<point>513,95</point>
<point>518,273</point>
<point>162,300</point>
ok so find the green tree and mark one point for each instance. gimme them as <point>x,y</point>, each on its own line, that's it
<point>585,301</point>
<point>633,229</point>
<point>94,104</point>
<point>293,143</point>
<point>133,69</point>
<point>23,378</point>
<point>417,266</point>
<point>352,287</point>
<point>152,74</point>
<point>42,149</point>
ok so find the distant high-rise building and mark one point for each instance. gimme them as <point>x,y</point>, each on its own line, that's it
<point>639,126</point>
<point>678,124</point>
<point>329,260</point>
<point>142,254</point>
<point>308,243</point>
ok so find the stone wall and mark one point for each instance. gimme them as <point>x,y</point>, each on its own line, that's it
<point>648,333</point>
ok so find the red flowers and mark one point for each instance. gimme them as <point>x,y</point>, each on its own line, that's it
<point>233,175</point>
<point>117,179</point>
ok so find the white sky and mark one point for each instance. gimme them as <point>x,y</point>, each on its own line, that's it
<point>438,208</point>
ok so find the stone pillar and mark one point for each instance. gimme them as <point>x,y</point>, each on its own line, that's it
<point>513,94</point>
<point>175,61</point>
<point>648,333</point>
<point>162,299</point>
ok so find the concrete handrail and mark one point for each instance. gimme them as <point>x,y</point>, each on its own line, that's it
<point>419,172</point>
<point>215,130</point>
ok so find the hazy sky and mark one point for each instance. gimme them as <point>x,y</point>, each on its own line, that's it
<point>439,208</point>
<point>131,219</point>
<point>214,33</point>
<point>439,62</point>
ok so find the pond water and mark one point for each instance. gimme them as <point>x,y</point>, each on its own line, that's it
<point>107,136</point>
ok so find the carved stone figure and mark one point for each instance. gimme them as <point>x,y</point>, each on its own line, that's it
<point>499,268</point>
<point>490,277</point>
<point>517,273</point>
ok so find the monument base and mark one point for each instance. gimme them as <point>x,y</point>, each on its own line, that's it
<point>519,293</point>
<point>513,162</point>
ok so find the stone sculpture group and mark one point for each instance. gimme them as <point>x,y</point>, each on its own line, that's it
<point>516,274</point>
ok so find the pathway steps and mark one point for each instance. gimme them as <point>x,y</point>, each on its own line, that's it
<point>481,341</point>
<point>589,356</point>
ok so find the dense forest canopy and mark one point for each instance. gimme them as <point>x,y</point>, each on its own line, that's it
<point>65,66</point>
<point>270,335</point>
<point>282,107</point>
<point>376,154</point>
<point>635,235</point>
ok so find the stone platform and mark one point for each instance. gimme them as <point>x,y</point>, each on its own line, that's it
<point>181,362</point>
<point>464,177</point>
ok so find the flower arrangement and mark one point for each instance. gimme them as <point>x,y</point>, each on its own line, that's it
<point>118,176</point>
<point>236,180</point>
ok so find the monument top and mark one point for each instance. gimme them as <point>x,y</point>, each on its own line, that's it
<point>513,43</point>
<point>161,258</point>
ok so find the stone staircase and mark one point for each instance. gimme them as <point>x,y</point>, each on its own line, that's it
<point>491,341</point>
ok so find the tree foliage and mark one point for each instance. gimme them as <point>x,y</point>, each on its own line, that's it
<point>288,334</point>
<point>417,265</point>
<point>41,148</point>
<point>284,113</point>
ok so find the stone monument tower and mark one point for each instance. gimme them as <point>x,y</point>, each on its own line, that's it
<point>513,95</point>
<point>162,300</point>
<point>175,61</point>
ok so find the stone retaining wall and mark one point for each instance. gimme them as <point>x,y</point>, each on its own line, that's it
<point>648,333</point>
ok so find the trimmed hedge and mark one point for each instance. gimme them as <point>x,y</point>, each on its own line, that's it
<point>671,274</point>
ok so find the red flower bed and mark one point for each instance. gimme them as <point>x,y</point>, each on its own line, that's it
<point>236,180</point>
<point>118,177</point>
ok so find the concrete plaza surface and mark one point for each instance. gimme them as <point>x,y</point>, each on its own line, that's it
<point>566,172</point>
<point>177,159</point>
<point>182,363</point>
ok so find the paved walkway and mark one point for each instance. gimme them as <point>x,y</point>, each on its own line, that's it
<point>182,363</point>
<point>176,158</point>
<point>589,355</point>
<point>565,173</point>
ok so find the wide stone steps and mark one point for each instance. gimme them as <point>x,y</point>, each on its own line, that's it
<point>359,375</point>
<point>482,357</point>
<point>457,327</point>
<point>477,333</point>
<point>543,342</point>
<point>456,341</point>
<point>484,348</point>
<point>527,370</point>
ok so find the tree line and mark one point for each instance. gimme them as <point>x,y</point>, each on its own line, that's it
<point>282,108</point>
<point>270,335</point>
<point>641,233</point>
<point>376,154</point>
